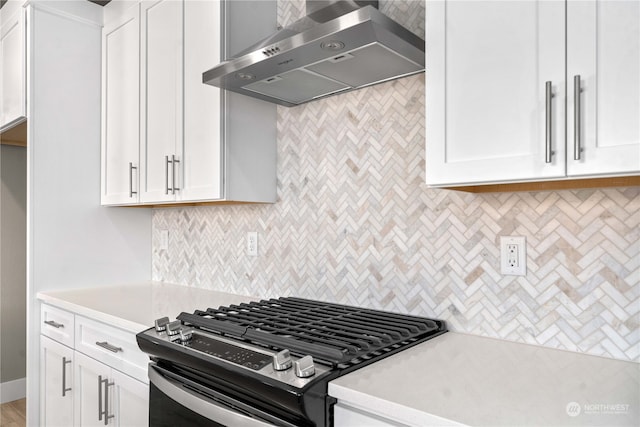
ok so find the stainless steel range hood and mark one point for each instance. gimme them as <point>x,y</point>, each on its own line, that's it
<point>339,46</point>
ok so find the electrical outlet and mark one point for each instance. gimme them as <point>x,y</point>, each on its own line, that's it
<point>252,243</point>
<point>164,239</point>
<point>513,255</point>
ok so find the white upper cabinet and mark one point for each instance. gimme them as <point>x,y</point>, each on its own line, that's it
<point>196,144</point>
<point>120,109</point>
<point>13,47</point>
<point>180,149</point>
<point>603,68</point>
<point>202,135</point>
<point>161,32</point>
<point>497,86</point>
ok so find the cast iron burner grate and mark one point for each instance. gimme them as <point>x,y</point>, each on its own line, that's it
<point>333,333</point>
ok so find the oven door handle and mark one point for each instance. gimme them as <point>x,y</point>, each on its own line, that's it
<point>201,404</point>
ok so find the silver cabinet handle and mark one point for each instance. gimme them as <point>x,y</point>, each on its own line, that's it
<point>104,412</point>
<point>131,168</point>
<point>54,324</point>
<point>100,411</point>
<point>166,174</point>
<point>107,417</point>
<point>173,174</point>
<point>64,376</point>
<point>576,117</point>
<point>108,346</point>
<point>548,123</point>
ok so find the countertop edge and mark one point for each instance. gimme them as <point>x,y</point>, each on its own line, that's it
<point>386,409</point>
<point>82,310</point>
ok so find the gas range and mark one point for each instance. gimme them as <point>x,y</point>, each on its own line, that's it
<point>271,360</point>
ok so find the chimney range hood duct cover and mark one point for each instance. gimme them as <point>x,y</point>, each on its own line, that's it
<point>339,46</point>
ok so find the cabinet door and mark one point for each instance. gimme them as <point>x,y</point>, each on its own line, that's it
<point>90,392</point>
<point>161,35</point>
<point>486,98</point>
<point>202,150</point>
<point>131,404</point>
<point>603,49</point>
<point>12,70</point>
<point>120,109</point>
<point>56,383</point>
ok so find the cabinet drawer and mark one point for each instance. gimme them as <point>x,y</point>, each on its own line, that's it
<point>57,324</point>
<point>112,346</point>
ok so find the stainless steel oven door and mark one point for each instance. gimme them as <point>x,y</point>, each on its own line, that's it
<point>174,400</point>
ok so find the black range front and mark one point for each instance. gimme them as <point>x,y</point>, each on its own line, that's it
<point>267,362</point>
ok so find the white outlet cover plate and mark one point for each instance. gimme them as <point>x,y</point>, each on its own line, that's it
<point>252,243</point>
<point>164,239</point>
<point>521,268</point>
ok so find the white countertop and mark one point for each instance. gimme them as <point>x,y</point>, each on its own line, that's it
<point>453,378</point>
<point>134,307</point>
<point>483,381</point>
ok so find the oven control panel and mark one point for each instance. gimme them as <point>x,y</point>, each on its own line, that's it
<point>231,353</point>
<point>280,365</point>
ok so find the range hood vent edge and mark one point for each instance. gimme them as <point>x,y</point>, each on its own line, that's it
<point>325,53</point>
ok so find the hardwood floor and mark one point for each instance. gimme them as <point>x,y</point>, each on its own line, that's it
<point>13,414</point>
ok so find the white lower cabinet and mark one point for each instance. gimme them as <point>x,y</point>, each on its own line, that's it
<point>78,389</point>
<point>106,396</point>
<point>93,390</point>
<point>131,401</point>
<point>56,383</point>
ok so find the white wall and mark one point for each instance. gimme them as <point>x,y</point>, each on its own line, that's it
<point>73,242</point>
<point>13,271</point>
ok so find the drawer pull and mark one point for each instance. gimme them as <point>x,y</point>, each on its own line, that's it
<point>108,346</point>
<point>54,324</point>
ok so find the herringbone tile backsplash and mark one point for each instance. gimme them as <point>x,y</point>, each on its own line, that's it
<point>355,223</point>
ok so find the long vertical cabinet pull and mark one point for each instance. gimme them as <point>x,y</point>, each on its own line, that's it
<point>174,188</point>
<point>131,168</point>
<point>107,417</point>
<point>65,389</point>
<point>548,123</point>
<point>100,411</point>
<point>104,411</point>
<point>576,117</point>
<point>166,175</point>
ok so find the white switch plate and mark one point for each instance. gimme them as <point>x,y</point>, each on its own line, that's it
<point>164,239</point>
<point>513,255</point>
<point>252,243</point>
